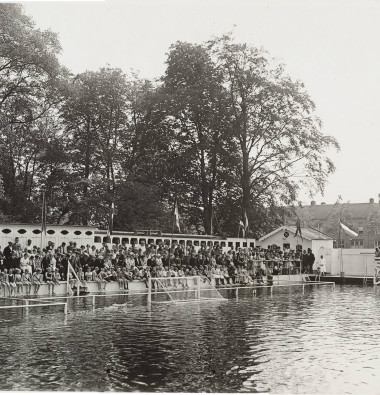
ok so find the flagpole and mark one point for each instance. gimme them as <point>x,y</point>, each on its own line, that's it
<point>340,249</point>
<point>43,217</point>
<point>173,222</point>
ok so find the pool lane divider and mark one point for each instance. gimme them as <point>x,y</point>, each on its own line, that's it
<point>29,302</point>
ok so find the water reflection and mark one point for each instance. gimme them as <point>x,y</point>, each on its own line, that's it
<point>317,342</point>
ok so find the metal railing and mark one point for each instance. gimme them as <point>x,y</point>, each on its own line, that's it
<point>27,305</point>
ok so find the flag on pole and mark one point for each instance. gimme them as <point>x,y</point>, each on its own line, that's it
<point>241,226</point>
<point>246,225</point>
<point>110,220</point>
<point>176,216</point>
<point>348,230</point>
<point>217,224</point>
<point>298,229</point>
<point>64,219</point>
<point>43,216</point>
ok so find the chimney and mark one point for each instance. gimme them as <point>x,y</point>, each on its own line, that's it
<point>372,200</point>
<point>313,202</point>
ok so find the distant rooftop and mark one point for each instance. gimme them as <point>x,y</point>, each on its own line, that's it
<point>358,210</point>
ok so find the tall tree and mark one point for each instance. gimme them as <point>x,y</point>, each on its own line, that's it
<point>31,85</point>
<point>95,116</point>
<point>195,97</point>
<point>274,130</point>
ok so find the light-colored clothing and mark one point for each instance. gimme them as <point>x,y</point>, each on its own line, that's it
<point>322,265</point>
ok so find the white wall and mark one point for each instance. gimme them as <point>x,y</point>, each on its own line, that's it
<point>325,248</point>
<point>279,239</point>
<point>359,262</point>
<point>57,237</point>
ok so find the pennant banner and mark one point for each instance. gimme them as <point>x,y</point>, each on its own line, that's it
<point>43,217</point>
<point>348,230</point>
<point>176,217</point>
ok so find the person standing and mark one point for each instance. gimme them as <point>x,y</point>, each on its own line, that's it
<point>8,251</point>
<point>315,267</point>
<point>322,265</point>
<point>305,262</point>
<point>311,259</point>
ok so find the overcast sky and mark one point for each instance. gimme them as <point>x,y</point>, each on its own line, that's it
<point>332,46</point>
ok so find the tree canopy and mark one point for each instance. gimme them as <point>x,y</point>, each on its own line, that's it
<point>225,132</point>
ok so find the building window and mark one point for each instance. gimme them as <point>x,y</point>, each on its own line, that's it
<point>357,243</point>
<point>338,244</point>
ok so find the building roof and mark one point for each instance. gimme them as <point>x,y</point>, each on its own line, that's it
<point>357,210</point>
<point>307,232</point>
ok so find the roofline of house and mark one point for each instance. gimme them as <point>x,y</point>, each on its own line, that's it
<point>287,226</point>
<point>322,233</point>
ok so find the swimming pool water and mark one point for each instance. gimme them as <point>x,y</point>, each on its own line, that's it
<point>322,341</point>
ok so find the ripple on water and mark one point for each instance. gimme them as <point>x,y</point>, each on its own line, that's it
<point>319,342</point>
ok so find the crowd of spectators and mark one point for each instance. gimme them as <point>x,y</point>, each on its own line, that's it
<point>24,266</point>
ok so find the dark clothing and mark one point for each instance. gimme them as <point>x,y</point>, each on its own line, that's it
<point>311,260</point>
<point>64,267</point>
<point>7,252</point>
<point>305,263</point>
<point>45,263</point>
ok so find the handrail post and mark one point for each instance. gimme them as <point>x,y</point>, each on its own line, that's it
<point>149,290</point>
<point>26,306</point>
<point>65,309</point>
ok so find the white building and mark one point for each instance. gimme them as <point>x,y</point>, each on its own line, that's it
<point>285,238</point>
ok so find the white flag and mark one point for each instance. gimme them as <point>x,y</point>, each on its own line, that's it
<point>64,219</point>
<point>110,220</point>
<point>176,217</point>
<point>348,230</point>
<point>246,225</point>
